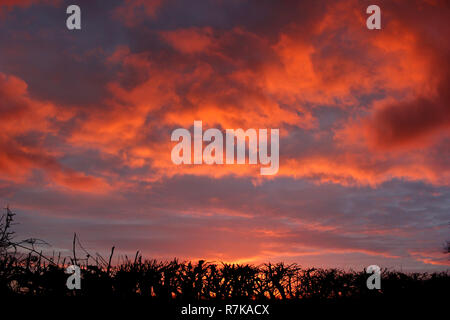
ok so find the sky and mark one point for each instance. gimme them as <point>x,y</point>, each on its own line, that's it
<point>364,117</point>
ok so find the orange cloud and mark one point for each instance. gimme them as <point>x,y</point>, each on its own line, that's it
<point>361,115</point>
<point>236,78</point>
<point>432,257</point>
<point>25,125</point>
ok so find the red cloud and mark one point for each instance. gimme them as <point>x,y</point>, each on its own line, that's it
<point>407,123</point>
<point>279,83</point>
<point>193,40</point>
<point>133,12</point>
<point>354,107</point>
<point>25,124</point>
<point>26,3</point>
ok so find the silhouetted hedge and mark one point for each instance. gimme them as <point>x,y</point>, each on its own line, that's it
<point>36,275</point>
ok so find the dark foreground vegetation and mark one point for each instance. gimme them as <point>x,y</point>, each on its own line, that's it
<point>26,272</point>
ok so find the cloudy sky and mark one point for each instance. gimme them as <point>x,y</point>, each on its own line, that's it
<point>364,118</point>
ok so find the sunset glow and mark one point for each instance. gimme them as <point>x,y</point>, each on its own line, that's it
<point>363,117</point>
